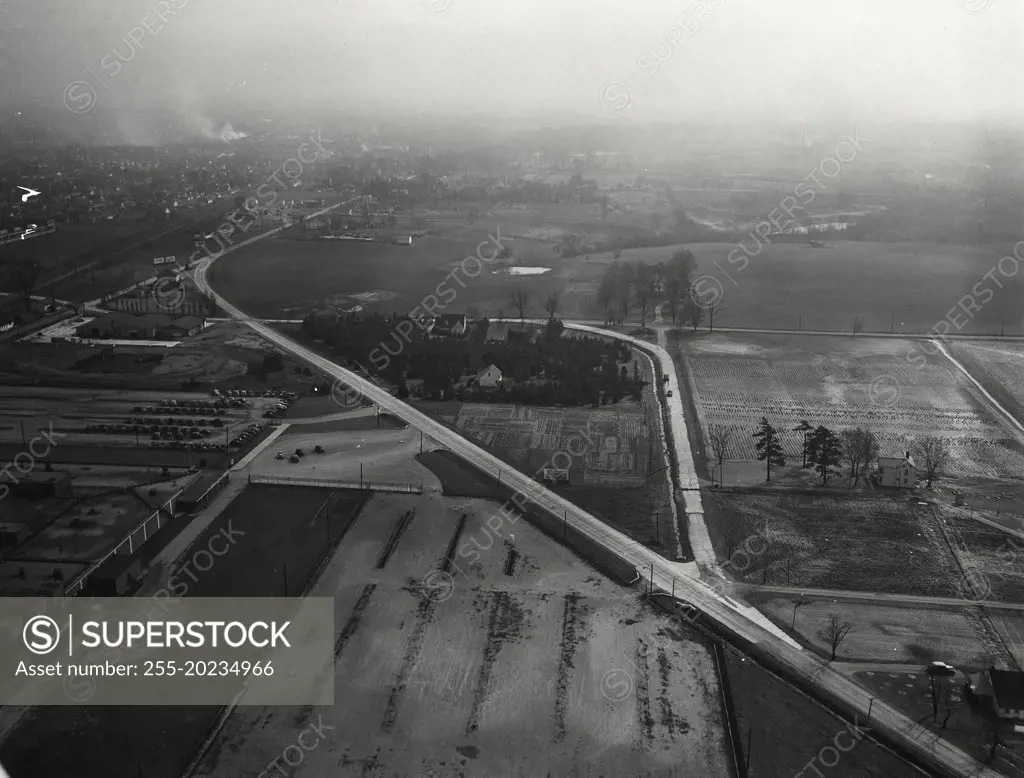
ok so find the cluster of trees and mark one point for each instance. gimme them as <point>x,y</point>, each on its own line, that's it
<point>542,370</point>
<point>825,450</point>
<point>638,287</point>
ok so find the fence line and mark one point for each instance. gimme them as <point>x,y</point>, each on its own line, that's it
<point>78,584</point>
<point>373,486</point>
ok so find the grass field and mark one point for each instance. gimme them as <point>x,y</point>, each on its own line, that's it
<point>892,287</point>
<point>862,544</point>
<point>282,278</point>
<point>112,742</point>
<point>841,382</point>
<point>786,730</point>
<point>884,633</point>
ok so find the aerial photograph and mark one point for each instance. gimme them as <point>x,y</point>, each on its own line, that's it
<point>639,384</point>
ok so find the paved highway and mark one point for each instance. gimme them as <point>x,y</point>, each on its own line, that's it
<point>667,576</point>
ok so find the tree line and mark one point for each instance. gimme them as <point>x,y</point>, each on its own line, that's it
<point>625,288</point>
<point>828,452</point>
<point>543,369</point>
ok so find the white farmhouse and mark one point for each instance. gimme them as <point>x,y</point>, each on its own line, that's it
<point>900,472</point>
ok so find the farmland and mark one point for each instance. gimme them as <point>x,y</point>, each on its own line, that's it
<point>841,383</point>
<point>503,671</point>
<point>608,453</point>
<point>838,542</point>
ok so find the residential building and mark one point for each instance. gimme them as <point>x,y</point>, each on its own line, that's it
<point>147,326</point>
<point>1003,690</point>
<point>452,325</point>
<point>490,377</point>
<point>900,472</point>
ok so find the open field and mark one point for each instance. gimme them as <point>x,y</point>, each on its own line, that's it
<point>999,367</point>
<point>893,634</point>
<point>841,382</point>
<point>504,672</point>
<point>786,730</point>
<point>277,529</point>
<point>281,278</point>
<point>838,542</point>
<point>837,282</point>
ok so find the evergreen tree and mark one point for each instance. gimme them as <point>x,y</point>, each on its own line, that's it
<point>805,428</point>
<point>769,449</point>
<point>826,449</point>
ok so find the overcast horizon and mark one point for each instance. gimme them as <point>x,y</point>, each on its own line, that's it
<point>610,60</point>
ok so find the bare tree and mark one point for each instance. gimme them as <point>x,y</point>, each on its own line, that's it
<point>933,454</point>
<point>643,302</point>
<point>713,308</point>
<point>719,437</point>
<point>520,300</point>
<point>951,706</point>
<point>860,448</point>
<point>732,534</point>
<point>551,304</point>
<point>834,632</point>
<point>24,274</point>
<point>790,559</point>
<point>857,325</point>
<point>696,314</point>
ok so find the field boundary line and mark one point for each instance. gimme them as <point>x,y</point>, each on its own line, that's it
<point>1014,421</point>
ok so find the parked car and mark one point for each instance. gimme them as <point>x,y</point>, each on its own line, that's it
<point>319,450</point>
<point>293,459</point>
<point>940,669</point>
<point>279,455</point>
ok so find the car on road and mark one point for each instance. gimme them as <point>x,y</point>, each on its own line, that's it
<point>940,669</point>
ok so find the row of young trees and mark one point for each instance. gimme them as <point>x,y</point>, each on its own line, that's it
<point>825,450</point>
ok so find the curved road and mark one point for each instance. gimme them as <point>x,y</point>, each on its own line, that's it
<point>667,576</point>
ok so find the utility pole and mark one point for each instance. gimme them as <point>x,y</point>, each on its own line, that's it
<point>746,767</point>
<point>657,528</point>
<point>652,578</point>
<point>421,441</point>
<point>565,523</point>
<point>360,476</point>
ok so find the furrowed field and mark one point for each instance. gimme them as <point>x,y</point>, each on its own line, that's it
<point>842,382</point>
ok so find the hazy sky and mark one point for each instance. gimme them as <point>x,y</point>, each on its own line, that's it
<point>813,60</point>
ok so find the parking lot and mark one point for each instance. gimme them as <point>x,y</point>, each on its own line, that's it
<point>106,419</point>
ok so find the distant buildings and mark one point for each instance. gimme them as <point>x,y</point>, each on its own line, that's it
<point>897,471</point>
<point>451,325</point>
<point>147,326</point>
